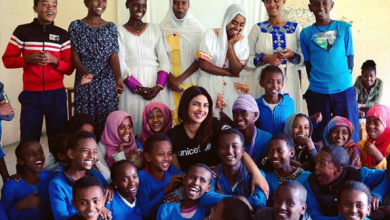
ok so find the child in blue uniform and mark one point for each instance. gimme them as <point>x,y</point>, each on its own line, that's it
<point>354,201</point>
<point>196,184</point>
<point>124,205</point>
<point>158,177</point>
<point>331,172</point>
<point>29,197</point>
<point>274,107</point>
<point>233,177</point>
<point>82,151</point>
<point>280,152</point>
<point>88,199</point>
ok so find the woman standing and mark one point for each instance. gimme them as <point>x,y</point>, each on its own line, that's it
<point>182,35</point>
<point>276,42</point>
<point>95,56</point>
<point>222,57</point>
<point>144,63</point>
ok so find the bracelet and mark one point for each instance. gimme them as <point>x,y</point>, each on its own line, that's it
<point>162,87</point>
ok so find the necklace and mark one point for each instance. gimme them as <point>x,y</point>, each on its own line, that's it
<point>293,176</point>
<point>135,29</point>
<point>331,21</point>
<point>91,22</point>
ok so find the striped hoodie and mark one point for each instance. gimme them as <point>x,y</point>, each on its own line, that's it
<point>34,37</point>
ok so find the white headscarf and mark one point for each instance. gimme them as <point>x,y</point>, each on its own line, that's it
<point>188,27</point>
<point>231,12</point>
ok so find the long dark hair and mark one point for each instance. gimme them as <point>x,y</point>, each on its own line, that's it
<point>205,132</point>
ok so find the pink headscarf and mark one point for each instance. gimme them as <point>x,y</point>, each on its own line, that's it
<point>110,137</point>
<point>146,131</point>
<point>382,113</point>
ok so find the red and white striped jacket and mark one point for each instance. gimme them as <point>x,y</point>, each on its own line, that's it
<point>34,37</point>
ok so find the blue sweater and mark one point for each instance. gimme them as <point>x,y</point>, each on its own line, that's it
<point>122,211</point>
<point>151,191</point>
<point>13,192</point>
<point>60,191</point>
<point>273,182</point>
<point>373,178</point>
<point>330,73</point>
<point>243,186</point>
<point>273,121</point>
<point>260,148</point>
<point>172,211</point>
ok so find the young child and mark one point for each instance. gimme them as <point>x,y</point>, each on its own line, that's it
<point>245,114</point>
<point>124,205</point>
<point>299,127</point>
<point>29,197</point>
<point>273,105</point>
<point>233,178</point>
<point>7,114</point>
<point>289,203</point>
<point>376,147</point>
<point>57,147</point>
<point>338,132</point>
<point>81,122</point>
<point>158,177</point>
<point>157,118</point>
<point>328,54</point>
<point>280,152</point>
<point>196,183</point>
<point>231,208</point>
<point>118,141</point>
<point>354,201</point>
<point>368,88</point>
<point>88,199</point>
<point>82,151</point>
<point>43,51</point>
<point>331,172</point>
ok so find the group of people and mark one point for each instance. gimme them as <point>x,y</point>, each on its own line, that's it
<point>186,139</point>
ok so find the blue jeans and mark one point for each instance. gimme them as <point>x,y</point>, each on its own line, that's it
<point>340,104</point>
<point>35,105</point>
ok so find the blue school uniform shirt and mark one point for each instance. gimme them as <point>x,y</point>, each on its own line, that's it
<point>243,186</point>
<point>273,182</point>
<point>122,211</point>
<point>172,211</point>
<point>60,192</point>
<point>328,53</point>
<point>151,191</point>
<point>13,192</point>
<point>3,97</point>
<point>260,147</point>
<point>273,121</point>
<point>372,178</point>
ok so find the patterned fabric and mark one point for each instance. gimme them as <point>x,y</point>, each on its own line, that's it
<point>95,45</point>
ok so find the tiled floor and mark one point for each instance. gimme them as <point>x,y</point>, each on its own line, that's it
<point>10,158</point>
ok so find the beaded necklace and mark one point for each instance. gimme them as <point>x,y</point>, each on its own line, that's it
<point>293,176</point>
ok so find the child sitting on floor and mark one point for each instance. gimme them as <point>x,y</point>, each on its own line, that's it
<point>124,205</point>
<point>57,147</point>
<point>82,151</point>
<point>354,201</point>
<point>233,177</point>
<point>273,105</point>
<point>338,132</point>
<point>289,203</point>
<point>29,197</point>
<point>88,199</point>
<point>331,172</point>
<point>159,177</point>
<point>196,184</point>
<point>280,152</point>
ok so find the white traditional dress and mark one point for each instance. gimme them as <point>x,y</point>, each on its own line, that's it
<point>142,56</point>
<point>182,38</point>
<point>265,39</point>
<point>213,48</point>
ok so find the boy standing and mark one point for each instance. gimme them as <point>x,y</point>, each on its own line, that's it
<point>43,51</point>
<point>328,51</point>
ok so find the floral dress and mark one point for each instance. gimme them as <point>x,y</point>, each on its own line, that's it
<point>95,45</point>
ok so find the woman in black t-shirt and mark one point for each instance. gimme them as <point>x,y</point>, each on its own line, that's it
<point>195,139</point>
